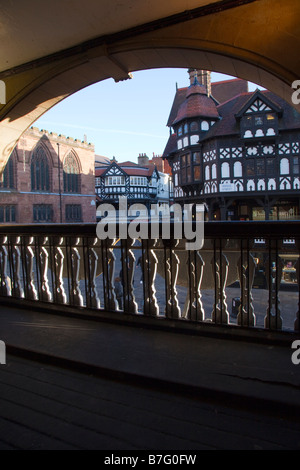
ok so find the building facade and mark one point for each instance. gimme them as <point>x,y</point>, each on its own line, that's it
<point>235,151</point>
<point>140,182</point>
<point>48,178</point>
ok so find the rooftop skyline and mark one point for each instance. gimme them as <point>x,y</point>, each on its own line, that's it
<point>122,119</point>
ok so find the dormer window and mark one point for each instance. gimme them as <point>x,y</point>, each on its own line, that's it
<point>259,125</point>
<point>259,117</point>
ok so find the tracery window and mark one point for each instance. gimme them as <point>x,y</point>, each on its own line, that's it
<point>7,180</point>
<point>71,174</point>
<point>40,172</point>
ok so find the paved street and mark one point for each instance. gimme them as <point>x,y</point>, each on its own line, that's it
<point>44,407</point>
<point>74,383</point>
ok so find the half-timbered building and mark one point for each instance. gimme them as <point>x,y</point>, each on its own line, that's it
<point>238,155</point>
<point>49,178</point>
<point>140,182</point>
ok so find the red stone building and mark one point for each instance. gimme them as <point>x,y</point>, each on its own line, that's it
<point>49,178</point>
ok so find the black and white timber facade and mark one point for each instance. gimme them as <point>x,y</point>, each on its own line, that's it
<point>139,182</point>
<point>240,157</point>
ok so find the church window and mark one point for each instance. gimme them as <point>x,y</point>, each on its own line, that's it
<point>204,126</point>
<point>7,213</point>
<point>179,132</point>
<point>40,174</point>
<point>42,213</point>
<point>73,213</point>
<point>71,174</point>
<point>7,177</point>
<point>186,128</point>
<point>193,126</point>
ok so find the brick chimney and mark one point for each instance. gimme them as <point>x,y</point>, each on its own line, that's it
<point>203,77</point>
<point>143,159</point>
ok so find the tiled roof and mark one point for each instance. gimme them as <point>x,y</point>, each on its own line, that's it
<point>130,168</point>
<point>228,124</point>
<point>100,171</point>
<point>221,91</point>
<point>196,103</point>
<point>227,89</point>
<point>171,145</point>
<point>178,100</point>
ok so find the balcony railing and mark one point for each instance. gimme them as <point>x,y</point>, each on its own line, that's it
<point>246,276</point>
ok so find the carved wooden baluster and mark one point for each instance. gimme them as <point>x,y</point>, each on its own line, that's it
<point>92,300</point>
<point>128,268</point>
<point>15,265</point>
<point>45,293</point>
<point>274,267</point>
<point>30,289</point>
<point>172,267</point>
<point>105,265</point>
<point>194,306</point>
<point>5,286</point>
<point>60,295</point>
<point>149,267</point>
<point>220,266</point>
<point>76,296</point>
<point>108,262</point>
<point>246,272</point>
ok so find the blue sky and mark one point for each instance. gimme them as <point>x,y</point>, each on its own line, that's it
<point>121,119</point>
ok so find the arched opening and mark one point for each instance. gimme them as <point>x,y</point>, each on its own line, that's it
<point>40,172</point>
<point>71,174</point>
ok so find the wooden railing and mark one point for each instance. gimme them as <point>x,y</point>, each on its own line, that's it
<point>246,274</point>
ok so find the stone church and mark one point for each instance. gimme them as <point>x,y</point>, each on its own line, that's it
<point>48,178</point>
